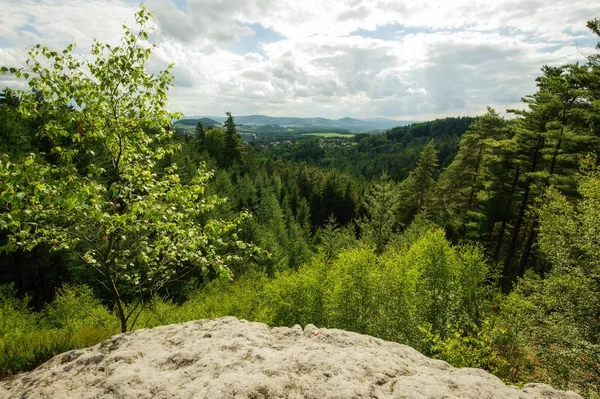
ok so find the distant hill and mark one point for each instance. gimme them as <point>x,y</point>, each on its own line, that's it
<point>351,124</point>
<point>447,127</point>
<point>206,122</point>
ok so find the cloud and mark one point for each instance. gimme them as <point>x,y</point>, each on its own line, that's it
<point>206,20</point>
<point>405,59</point>
<point>27,22</point>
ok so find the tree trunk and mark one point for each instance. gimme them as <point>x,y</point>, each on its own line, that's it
<point>559,141</point>
<point>491,229</point>
<point>533,232</point>
<point>528,244</point>
<point>507,273</point>
<point>118,304</point>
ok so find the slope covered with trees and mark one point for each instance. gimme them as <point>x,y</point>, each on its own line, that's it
<point>474,240</point>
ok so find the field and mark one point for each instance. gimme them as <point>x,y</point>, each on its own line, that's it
<point>330,135</point>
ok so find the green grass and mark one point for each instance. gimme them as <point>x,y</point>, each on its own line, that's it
<point>329,134</point>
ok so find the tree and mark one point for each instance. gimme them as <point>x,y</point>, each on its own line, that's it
<point>200,132</point>
<point>547,139</point>
<point>560,312</point>
<point>459,184</point>
<point>382,207</point>
<point>214,142</point>
<point>500,193</point>
<point>9,99</point>
<point>333,239</point>
<point>419,184</point>
<point>231,147</point>
<point>136,226</point>
<point>14,130</point>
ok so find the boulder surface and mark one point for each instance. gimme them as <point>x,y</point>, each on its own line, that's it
<point>231,358</point>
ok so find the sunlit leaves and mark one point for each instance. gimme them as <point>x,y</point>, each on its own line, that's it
<point>136,225</point>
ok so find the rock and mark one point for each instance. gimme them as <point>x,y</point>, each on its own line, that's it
<point>230,358</point>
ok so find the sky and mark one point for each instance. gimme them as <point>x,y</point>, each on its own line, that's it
<point>399,59</point>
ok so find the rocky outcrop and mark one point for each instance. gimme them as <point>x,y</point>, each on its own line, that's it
<point>230,358</point>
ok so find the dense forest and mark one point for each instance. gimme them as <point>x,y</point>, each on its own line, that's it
<point>474,240</point>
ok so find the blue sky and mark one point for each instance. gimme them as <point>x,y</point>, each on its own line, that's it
<point>413,59</point>
<point>253,43</point>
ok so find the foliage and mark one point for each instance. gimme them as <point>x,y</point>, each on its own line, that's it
<point>232,143</point>
<point>382,206</point>
<point>559,328</point>
<point>332,239</point>
<point>136,226</point>
<point>98,190</point>
<point>200,132</point>
<point>475,348</point>
<point>457,188</point>
<point>418,186</point>
<point>74,320</point>
<point>559,313</point>
<point>570,233</point>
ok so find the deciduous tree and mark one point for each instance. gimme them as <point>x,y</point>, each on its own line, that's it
<point>137,226</point>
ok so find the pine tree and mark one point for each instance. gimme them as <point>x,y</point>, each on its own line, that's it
<point>417,188</point>
<point>200,132</point>
<point>381,205</point>
<point>347,209</point>
<point>559,98</point>
<point>548,137</point>
<point>528,142</point>
<point>459,184</point>
<point>232,143</point>
<point>497,199</point>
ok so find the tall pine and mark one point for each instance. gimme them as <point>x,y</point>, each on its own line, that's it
<point>416,190</point>
<point>232,143</point>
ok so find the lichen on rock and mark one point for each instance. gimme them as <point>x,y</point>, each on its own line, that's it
<point>230,358</point>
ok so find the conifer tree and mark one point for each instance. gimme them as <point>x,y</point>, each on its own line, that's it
<point>459,184</point>
<point>200,132</point>
<point>417,188</point>
<point>232,143</point>
<point>548,136</point>
<point>381,205</point>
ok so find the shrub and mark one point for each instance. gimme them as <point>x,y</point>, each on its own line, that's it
<point>75,319</point>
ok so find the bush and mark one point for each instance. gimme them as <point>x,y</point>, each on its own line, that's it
<point>555,330</point>
<point>474,348</point>
<point>75,308</point>
<point>298,297</point>
<point>74,320</point>
<point>420,292</point>
<point>350,293</point>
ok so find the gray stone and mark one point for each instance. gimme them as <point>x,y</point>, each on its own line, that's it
<point>229,358</point>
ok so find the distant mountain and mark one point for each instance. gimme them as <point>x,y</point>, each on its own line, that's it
<point>350,124</point>
<point>386,120</point>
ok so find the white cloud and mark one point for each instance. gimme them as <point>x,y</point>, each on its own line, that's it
<point>443,57</point>
<point>26,22</point>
